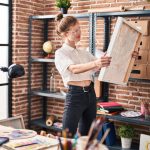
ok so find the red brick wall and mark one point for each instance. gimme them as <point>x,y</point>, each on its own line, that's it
<point>21,12</point>
<point>129,95</point>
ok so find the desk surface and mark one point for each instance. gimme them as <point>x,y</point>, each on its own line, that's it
<point>52,141</point>
<point>4,128</point>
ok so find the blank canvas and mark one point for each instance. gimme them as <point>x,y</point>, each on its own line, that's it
<point>125,39</point>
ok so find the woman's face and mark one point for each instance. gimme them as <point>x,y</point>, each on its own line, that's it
<point>74,33</point>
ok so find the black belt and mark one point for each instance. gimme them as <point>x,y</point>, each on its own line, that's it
<point>84,89</point>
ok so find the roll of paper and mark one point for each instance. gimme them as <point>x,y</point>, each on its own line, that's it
<point>50,120</point>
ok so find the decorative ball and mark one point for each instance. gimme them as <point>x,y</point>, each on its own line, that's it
<point>48,47</point>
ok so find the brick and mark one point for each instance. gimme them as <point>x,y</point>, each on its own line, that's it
<point>119,92</point>
<point>127,88</point>
<point>127,97</point>
<point>112,96</point>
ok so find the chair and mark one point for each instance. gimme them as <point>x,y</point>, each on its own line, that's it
<point>16,122</point>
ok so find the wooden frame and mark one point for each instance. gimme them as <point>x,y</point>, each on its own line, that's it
<point>125,39</point>
<point>15,122</point>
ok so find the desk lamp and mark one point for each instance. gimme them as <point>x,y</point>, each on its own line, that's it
<point>14,70</point>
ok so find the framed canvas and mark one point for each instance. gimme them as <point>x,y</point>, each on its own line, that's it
<point>125,39</point>
<point>16,122</point>
<point>144,142</point>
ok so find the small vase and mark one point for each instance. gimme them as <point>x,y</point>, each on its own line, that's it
<point>64,10</point>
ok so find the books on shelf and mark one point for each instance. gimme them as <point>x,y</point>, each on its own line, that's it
<point>107,113</point>
<point>108,104</point>
<point>110,108</point>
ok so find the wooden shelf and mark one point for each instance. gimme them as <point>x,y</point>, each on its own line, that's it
<point>48,94</point>
<point>134,120</point>
<point>42,123</point>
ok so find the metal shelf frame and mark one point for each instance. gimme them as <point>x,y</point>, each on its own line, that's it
<point>133,120</point>
<point>48,94</point>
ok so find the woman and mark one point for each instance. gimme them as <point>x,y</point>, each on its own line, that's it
<point>76,67</point>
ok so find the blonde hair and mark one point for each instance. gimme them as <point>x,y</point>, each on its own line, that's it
<point>64,23</point>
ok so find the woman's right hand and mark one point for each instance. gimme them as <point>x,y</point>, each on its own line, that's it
<point>103,61</point>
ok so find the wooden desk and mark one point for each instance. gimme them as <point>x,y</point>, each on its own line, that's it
<point>4,128</point>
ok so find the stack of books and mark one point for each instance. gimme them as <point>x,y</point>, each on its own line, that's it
<point>109,108</point>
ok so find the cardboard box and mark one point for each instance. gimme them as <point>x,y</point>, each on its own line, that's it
<point>143,57</point>
<point>149,57</point>
<point>148,71</point>
<point>145,43</point>
<point>142,25</point>
<point>139,71</point>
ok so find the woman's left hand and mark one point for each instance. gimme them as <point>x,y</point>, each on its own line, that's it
<point>135,54</point>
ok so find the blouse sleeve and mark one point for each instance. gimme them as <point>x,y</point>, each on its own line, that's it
<point>62,62</point>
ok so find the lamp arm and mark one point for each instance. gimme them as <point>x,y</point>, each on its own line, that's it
<point>4,69</point>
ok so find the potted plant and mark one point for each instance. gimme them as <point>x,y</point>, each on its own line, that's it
<point>126,132</point>
<point>63,5</point>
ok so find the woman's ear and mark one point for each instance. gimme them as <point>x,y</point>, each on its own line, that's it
<point>65,34</point>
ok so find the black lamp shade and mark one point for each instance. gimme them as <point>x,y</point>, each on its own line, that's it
<point>15,71</point>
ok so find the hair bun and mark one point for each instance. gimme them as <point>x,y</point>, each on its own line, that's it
<point>59,17</point>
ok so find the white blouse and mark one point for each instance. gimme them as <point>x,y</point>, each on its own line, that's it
<point>66,56</point>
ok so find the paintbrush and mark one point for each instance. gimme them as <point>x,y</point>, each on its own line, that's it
<point>94,130</point>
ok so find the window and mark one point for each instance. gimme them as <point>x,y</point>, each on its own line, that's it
<point>5,56</point>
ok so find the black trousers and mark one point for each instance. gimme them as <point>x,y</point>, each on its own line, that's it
<point>80,109</point>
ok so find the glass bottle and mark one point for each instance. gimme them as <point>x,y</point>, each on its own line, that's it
<point>52,81</point>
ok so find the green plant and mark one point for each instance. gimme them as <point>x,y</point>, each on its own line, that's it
<point>126,131</point>
<point>63,3</point>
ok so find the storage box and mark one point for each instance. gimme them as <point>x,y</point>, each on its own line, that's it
<point>143,57</point>
<point>145,43</point>
<point>142,25</point>
<point>139,71</point>
<point>148,71</point>
<point>149,57</point>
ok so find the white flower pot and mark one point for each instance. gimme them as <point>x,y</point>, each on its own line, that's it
<point>126,142</point>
